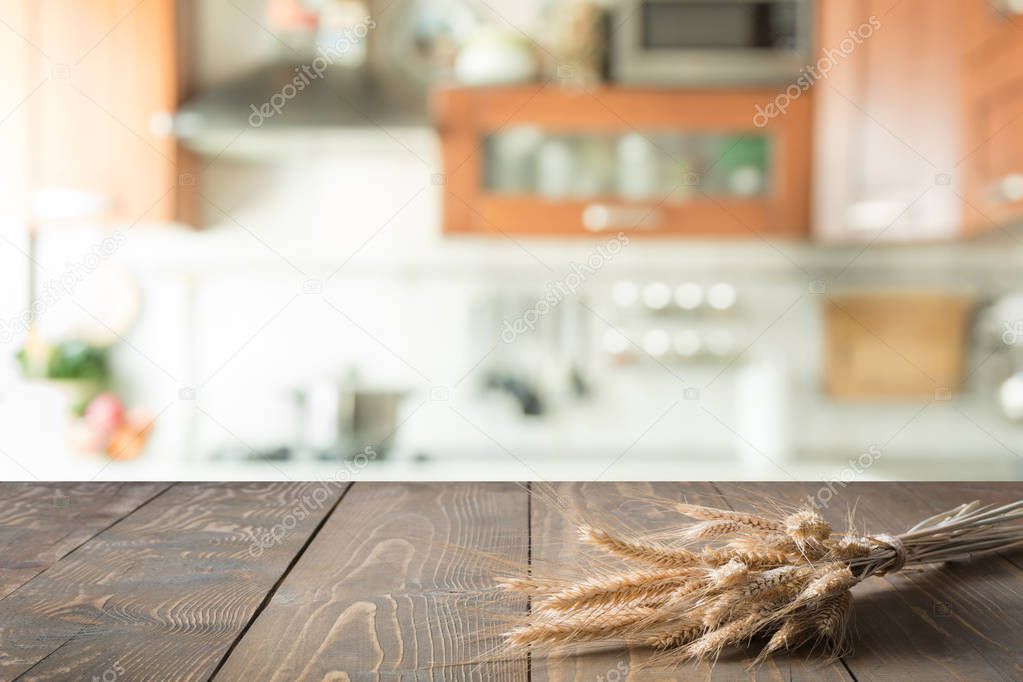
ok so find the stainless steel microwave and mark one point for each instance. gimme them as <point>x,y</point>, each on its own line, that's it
<point>710,42</point>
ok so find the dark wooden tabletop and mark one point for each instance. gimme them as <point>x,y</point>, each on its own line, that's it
<point>382,581</point>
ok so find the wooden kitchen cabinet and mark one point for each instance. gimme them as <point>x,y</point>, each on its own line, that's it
<point>107,76</point>
<point>888,121</point>
<point>544,160</point>
<point>994,115</point>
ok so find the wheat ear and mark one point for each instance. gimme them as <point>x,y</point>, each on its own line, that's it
<point>756,559</point>
<point>649,553</point>
<point>832,617</point>
<point>576,629</point>
<point>620,589</point>
<point>711,644</point>
<point>751,521</point>
<point>794,632</point>
<point>675,636</point>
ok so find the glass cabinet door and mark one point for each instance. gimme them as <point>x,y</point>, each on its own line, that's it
<point>649,166</point>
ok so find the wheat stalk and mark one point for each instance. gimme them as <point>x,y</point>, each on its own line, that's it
<point>787,579</point>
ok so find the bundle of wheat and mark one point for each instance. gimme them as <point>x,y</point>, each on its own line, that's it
<point>786,579</point>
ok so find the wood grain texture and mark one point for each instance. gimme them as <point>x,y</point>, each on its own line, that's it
<point>554,542</point>
<point>951,622</point>
<point>388,591</point>
<point>395,584</point>
<point>556,549</point>
<point>965,620</point>
<point>42,522</point>
<point>162,594</point>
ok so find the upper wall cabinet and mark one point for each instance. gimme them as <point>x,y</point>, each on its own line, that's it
<point>888,146</point>
<point>994,114</point>
<point>544,160</point>
<point>107,81</point>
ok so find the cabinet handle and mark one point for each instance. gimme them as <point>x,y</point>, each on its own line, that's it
<point>601,217</point>
<point>596,217</point>
<point>1010,188</point>
<point>872,215</point>
<point>161,124</point>
<point>182,125</point>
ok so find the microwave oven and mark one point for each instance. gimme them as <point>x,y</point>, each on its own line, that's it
<point>710,42</point>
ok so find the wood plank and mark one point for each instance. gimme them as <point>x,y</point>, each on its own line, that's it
<point>554,541</point>
<point>385,592</point>
<point>164,593</point>
<point>949,622</point>
<point>42,522</point>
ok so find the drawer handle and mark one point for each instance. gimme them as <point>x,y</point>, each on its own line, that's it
<point>601,217</point>
<point>1010,188</point>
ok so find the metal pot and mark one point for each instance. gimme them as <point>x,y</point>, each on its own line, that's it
<point>340,422</point>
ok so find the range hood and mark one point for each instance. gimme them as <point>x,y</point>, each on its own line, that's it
<point>267,101</point>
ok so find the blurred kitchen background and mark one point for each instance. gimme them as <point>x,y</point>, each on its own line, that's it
<point>411,239</point>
